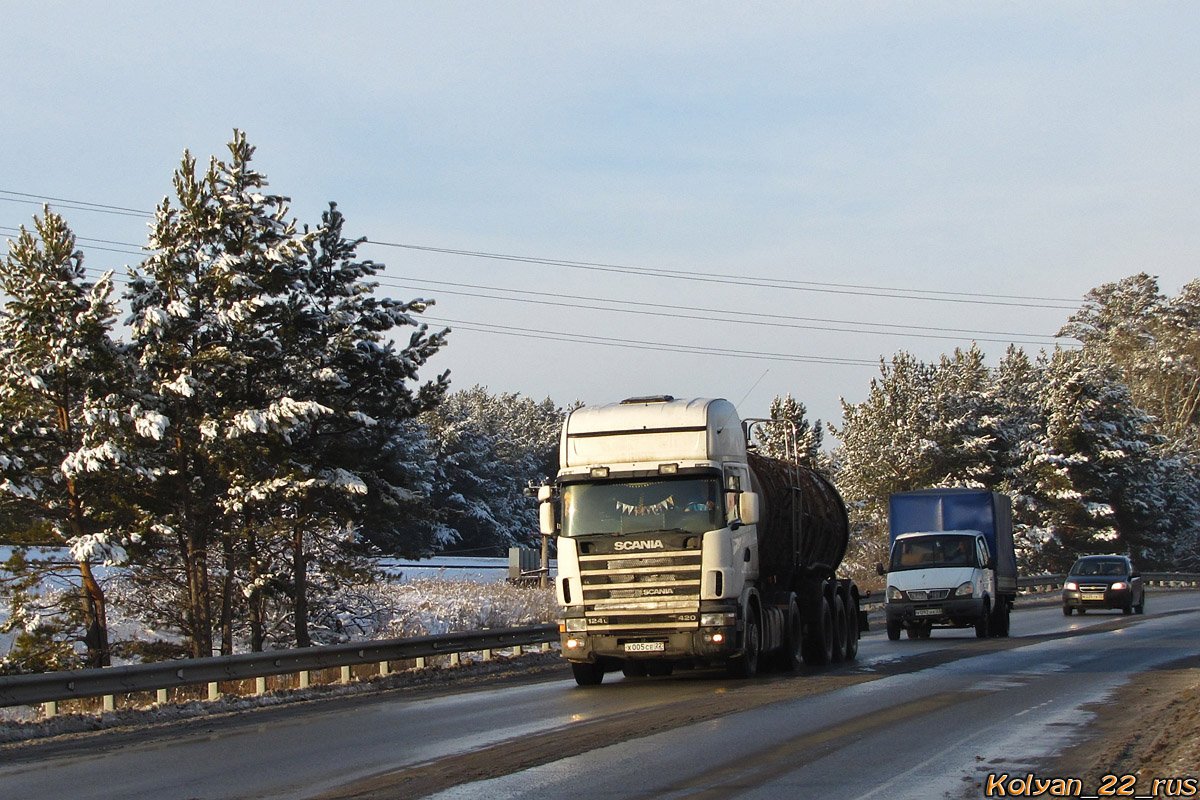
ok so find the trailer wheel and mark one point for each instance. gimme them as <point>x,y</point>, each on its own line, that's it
<point>818,639</point>
<point>746,665</point>
<point>851,630</point>
<point>790,655</point>
<point>893,628</point>
<point>587,674</point>
<point>837,642</point>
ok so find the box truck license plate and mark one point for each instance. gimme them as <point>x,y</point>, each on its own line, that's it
<point>645,647</point>
<point>927,612</point>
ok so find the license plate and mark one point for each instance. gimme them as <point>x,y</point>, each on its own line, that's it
<point>645,647</point>
<point>927,612</point>
<point>1093,597</point>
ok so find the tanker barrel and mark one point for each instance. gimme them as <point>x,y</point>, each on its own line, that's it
<point>824,530</point>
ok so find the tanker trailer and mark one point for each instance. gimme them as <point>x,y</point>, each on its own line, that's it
<point>678,547</point>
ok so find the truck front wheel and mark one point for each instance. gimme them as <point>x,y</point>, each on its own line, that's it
<point>746,665</point>
<point>893,628</point>
<point>587,674</point>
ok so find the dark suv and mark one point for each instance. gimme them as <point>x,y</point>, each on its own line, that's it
<point>1103,582</point>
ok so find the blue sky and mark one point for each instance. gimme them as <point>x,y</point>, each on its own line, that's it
<point>1017,149</point>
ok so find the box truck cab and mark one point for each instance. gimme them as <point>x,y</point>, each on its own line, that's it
<point>951,562</point>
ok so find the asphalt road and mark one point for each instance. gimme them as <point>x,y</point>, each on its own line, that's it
<point>914,718</point>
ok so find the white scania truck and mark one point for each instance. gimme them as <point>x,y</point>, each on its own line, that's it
<point>679,547</point>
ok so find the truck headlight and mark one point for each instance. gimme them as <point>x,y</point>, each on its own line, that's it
<point>964,590</point>
<point>718,619</point>
<point>894,594</point>
<point>575,624</point>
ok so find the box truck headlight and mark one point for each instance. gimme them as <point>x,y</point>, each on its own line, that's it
<point>894,595</point>
<point>964,590</point>
<point>576,624</point>
<point>714,620</point>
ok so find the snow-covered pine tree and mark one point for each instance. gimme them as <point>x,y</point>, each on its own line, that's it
<point>488,448</point>
<point>205,308</point>
<point>1155,341</point>
<point>64,427</point>
<point>345,466</point>
<point>792,429</point>
<point>1089,478</point>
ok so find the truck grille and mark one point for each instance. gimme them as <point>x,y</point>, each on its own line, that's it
<point>635,591</point>
<point>928,594</point>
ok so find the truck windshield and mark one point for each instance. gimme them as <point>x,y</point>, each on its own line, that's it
<point>933,551</point>
<point>661,504</point>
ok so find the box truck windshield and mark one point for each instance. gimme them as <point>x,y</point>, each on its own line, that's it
<point>691,504</point>
<point>930,550</point>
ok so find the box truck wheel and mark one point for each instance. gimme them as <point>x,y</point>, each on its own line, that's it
<point>1000,619</point>
<point>587,674</point>
<point>893,626</point>
<point>837,642</point>
<point>982,628</point>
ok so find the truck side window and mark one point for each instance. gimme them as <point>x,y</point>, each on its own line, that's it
<point>981,552</point>
<point>733,487</point>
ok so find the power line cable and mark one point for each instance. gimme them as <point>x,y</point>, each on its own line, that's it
<point>767,283</point>
<point>772,283</point>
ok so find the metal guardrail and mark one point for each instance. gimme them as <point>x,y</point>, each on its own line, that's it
<point>1174,579</point>
<point>50,687</point>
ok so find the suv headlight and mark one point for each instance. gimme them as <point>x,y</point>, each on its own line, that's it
<point>964,590</point>
<point>1071,586</point>
<point>894,594</point>
<point>1119,585</point>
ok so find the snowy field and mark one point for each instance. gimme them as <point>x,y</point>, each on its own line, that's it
<point>419,598</point>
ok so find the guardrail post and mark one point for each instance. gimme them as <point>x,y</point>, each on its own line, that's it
<point>345,674</point>
<point>455,659</point>
<point>162,697</point>
<point>50,709</point>
<point>420,662</point>
<point>109,703</point>
<point>214,691</point>
<point>487,655</point>
<point>260,684</point>
<point>517,650</point>
<point>383,668</point>
<point>305,677</point>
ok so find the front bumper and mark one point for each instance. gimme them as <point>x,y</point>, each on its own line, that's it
<point>1111,598</point>
<point>702,645</point>
<point>957,612</point>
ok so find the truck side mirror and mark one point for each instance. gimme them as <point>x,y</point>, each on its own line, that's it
<point>546,518</point>
<point>748,507</point>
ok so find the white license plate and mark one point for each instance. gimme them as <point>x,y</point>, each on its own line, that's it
<point>1093,597</point>
<point>645,647</point>
<point>927,612</point>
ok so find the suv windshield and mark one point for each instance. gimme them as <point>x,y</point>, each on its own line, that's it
<point>953,550</point>
<point>1091,567</point>
<point>660,504</point>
